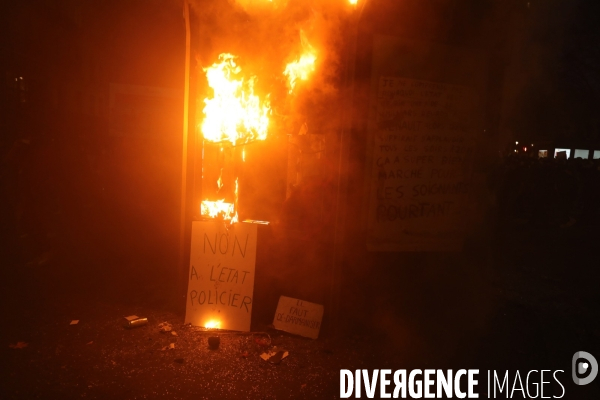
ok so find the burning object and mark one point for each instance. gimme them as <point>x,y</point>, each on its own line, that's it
<point>234,116</point>
<point>212,324</point>
<point>218,209</point>
<point>270,71</point>
<point>273,67</point>
<point>302,67</point>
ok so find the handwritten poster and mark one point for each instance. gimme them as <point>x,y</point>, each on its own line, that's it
<point>423,147</point>
<point>221,275</point>
<point>298,317</point>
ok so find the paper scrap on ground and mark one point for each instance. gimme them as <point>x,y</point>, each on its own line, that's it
<point>131,317</point>
<point>275,355</point>
<point>165,327</point>
<point>74,322</point>
<point>169,347</point>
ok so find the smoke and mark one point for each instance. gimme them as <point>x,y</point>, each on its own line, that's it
<point>266,36</point>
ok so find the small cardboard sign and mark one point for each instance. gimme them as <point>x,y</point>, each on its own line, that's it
<point>298,317</point>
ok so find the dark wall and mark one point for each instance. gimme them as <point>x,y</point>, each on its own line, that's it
<point>72,193</point>
<point>408,297</point>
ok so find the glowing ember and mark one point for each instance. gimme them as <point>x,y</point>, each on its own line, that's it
<point>235,113</point>
<point>304,66</point>
<point>212,324</point>
<point>218,209</point>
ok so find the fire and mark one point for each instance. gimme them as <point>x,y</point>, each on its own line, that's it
<point>302,67</point>
<point>218,209</point>
<point>353,2</point>
<point>212,324</point>
<point>234,114</point>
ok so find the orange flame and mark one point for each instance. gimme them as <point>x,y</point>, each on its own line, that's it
<point>212,324</point>
<point>218,209</point>
<point>302,67</point>
<point>235,113</point>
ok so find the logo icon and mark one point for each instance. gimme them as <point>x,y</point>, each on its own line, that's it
<point>585,368</point>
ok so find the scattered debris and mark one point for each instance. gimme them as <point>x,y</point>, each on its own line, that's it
<point>74,322</point>
<point>133,321</point>
<point>213,342</point>
<point>179,360</point>
<point>164,327</point>
<point>303,386</point>
<point>18,345</point>
<point>244,354</point>
<point>173,333</point>
<point>169,347</point>
<point>275,355</point>
<point>262,342</point>
<point>90,342</point>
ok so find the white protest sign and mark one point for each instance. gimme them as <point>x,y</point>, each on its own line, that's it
<point>299,317</point>
<point>423,136</point>
<point>221,275</point>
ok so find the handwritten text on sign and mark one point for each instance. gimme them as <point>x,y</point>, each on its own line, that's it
<point>422,155</point>
<point>221,275</point>
<point>299,317</point>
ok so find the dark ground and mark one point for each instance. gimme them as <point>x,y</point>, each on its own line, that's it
<point>545,307</point>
